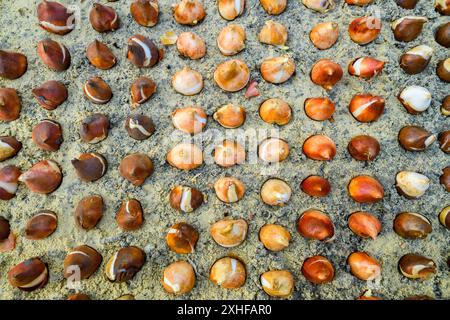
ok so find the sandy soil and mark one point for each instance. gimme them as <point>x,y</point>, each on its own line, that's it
<point>19,31</point>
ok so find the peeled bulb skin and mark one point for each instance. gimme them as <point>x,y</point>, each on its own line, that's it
<point>274,7</point>
<point>232,75</point>
<point>273,33</point>
<point>191,45</point>
<point>324,35</point>
<point>277,70</point>
<point>231,39</point>
<point>275,192</point>
<point>187,82</point>
<point>231,9</point>
<point>179,277</point>
<point>189,12</point>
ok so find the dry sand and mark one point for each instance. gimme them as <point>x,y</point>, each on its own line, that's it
<point>20,31</point>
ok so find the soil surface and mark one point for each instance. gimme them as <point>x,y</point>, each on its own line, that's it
<point>20,32</point>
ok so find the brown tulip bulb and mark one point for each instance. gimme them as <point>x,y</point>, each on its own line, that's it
<point>139,127</point>
<point>365,67</point>
<point>445,107</point>
<point>364,30</point>
<point>415,138</point>
<point>316,225</point>
<point>136,168</point>
<point>83,260</point>
<point>229,273</point>
<point>97,90</point>
<point>145,12</point>
<point>277,283</point>
<point>444,141</point>
<point>103,18</point>
<point>273,33</point>
<point>231,9</point>
<point>185,199</point>
<point>275,111</point>
<point>411,184</point>
<point>442,6</point>
<point>185,156</point>
<point>44,177</point>
<point>319,147</point>
<point>408,28</point>
<point>407,4</point>
<point>444,179</point>
<point>326,73</point>
<point>55,17</point>
<point>191,45</point>
<point>443,70</point>
<point>275,192</point>
<point>179,277</point>
<point>182,238</point>
<point>232,75</point>
<point>229,153</point>
<point>324,35</point>
<point>364,224</point>
<point>29,275</point>
<point>319,5</point>
<point>188,82</point>
<point>273,150</point>
<point>54,55</point>
<point>274,237</point>
<point>142,51</point>
<point>229,189</point>
<point>124,264</point>
<point>141,90</point>
<point>416,60</point>
<point>363,266</point>
<point>94,128</point>
<point>9,183</point>
<point>364,148</point>
<point>442,35</point>
<point>230,116</point>
<point>10,105</point>
<point>410,225</point>
<point>5,228</point>
<point>89,212</point>
<point>189,119</point>
<point>319,109</point>
<point>100,56</point>
<point>130,215</point>
<point>415,99</point>
<point>90,166</point>
<point>229,233</point>
<point>444,217</point>
<point>47,135</point>
<point>12,64</point>
<point>274,7</point>
<point>318,270</point>
<point>277,70</point>
<point>9,243</point>
<point>414,266</point>
<point>189,12</point>
<point>9,147</point>
<point>366,107</point>
<point>316,186</point>
<point>41,225</point>
<point>231,40</point>
<point>50,94</point>
<point>365,189</point>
